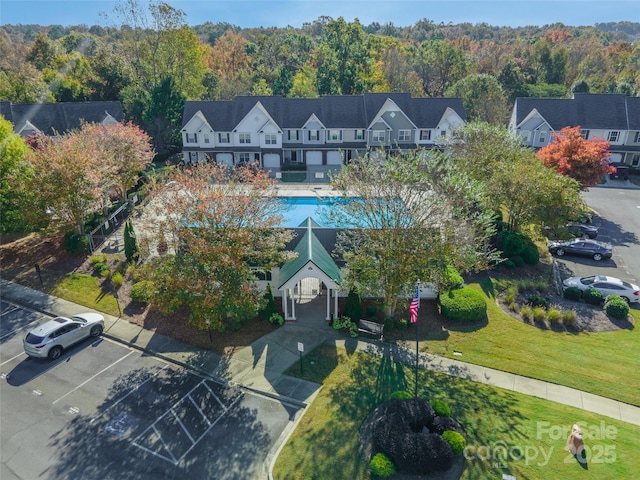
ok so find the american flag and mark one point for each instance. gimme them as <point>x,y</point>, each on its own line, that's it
<point>415,305</point>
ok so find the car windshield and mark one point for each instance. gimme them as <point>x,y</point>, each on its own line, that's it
<point>33,339</point>
<point>588,280</point>
<point>79,319</point>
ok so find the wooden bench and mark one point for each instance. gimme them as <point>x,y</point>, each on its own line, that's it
<point>371,328</point>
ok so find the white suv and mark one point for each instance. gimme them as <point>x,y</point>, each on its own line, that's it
<point>53,337</point>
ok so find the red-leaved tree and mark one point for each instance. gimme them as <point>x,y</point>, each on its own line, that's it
<point>586,161</point>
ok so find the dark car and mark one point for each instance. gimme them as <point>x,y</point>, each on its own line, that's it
<point>621,171</point>
<point>580,247</point>
<point>582,230</point>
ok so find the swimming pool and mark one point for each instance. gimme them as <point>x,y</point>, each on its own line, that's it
<point>298,209</point>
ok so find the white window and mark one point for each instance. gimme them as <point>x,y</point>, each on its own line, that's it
<point>378,136</point>
<point>542,137</point>
<point>358,134</point>
<point>244,158</point>
<point>636,139</point>
<point>584,134</point>
<point>443,133</point>
<point>404,135</point>
<point>293,135</point>
<point>206,138</point>
<point>245,138</point>
<point>192,138</point>
<point>614,135</point>
<point>425,134</point>
<point>635,160</point>
<point>270,138</point>
<point>314,134</point>
<point>223,137</point>
<point>334,135</point>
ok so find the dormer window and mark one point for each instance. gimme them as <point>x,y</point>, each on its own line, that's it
<point>223,138</point>
<point>314,134</point>
<point>270,139</point>
<point>245,137</point>
<point>425,135</point>
<point>614,135</point>
<point>378,136</point>
<point>192,138</point>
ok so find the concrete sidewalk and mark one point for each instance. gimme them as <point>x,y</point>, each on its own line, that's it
<point>260,366</point>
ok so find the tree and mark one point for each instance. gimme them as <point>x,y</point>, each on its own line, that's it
<point>413,216</point>
<point>130,244</point>
<point>513,181</point>
<point>126,153</point>
<point>586,161</point>
<point>221,223</point>
<point>482,97</point>
<point>15,172</point>
<point>439,64</point>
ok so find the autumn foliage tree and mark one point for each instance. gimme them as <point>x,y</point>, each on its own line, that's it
<point>221,224</point>
<point>586,161</point>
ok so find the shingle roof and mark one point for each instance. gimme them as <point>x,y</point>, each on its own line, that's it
<point>343,111</point>
<point>55,118</point>
<point>310,249</point>
<point>595,111</point>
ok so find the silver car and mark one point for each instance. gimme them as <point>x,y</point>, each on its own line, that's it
<point>606,285</point>
<point>53,337</point>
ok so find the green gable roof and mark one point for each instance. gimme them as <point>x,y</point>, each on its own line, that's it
<point>309,249</point>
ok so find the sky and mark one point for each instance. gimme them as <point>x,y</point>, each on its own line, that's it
<point>282,13</point>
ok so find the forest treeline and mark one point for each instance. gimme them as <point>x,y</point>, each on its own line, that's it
<point>151,60</point>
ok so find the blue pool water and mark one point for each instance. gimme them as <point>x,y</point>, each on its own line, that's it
<point>298,209</point>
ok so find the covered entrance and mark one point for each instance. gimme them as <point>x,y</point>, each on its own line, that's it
<point>313,273</point>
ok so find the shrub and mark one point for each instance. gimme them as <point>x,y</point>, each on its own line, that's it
<point>572,293</point>
<point>463,305</point>
<point>538,314</point>
<point>569,317</point>
<point>538,301</point>
<point>353,306</point>
<point>130,243</point>
<point>97,259</point>
<point>382,466</point>
<point>346,323</point>
<point>508,263</point>
<point>142,291</point>
<point>276,319</point>
<point>117,279</point>
<point>451,279</point>
<point>616,307</point>
<point>389,324</point>
<point>593,296</point>
<point>554,315</point>
<point>457,441</point>
<point>512,293</point>
<point>529,284</point>
<point>526,312</point>
<point>514,307</point>
<point>517,260</point>
<point>371,310</point>
<point>441,408</point>
<point>401,395</point>
<point>76,244</point>
<point>530,254</point>
<point>402,324</point>
<point>270,303</point>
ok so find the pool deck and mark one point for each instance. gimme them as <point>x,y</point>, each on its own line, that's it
<point>306,190</point>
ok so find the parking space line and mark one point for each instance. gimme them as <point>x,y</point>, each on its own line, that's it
<point>199,410</point>
<point>13,332</point>
<point>94,376</point>
<point>175,415</point>
<point>133,390</point>
<point>13,358</point>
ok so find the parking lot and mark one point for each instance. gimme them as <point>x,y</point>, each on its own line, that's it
<point>104,410</point>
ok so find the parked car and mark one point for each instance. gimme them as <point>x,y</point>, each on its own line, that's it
<point>621,171</point>
<point>582,230</point>
<point>580,247</point>
<point>606,285</point>
<point>53,337</point>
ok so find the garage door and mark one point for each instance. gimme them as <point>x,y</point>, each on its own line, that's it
<point>334,158</point>
<point>271,160</point>
<point>224,159</point>
<point>314,158</point>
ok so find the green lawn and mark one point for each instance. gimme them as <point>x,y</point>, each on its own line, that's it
<point>604,363</point>
<point>86,290</point>
<point>532,431</point>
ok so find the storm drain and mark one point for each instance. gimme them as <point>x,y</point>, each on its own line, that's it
<point>178,430</point>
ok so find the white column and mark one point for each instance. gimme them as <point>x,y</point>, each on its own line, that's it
<point>285,302</point>
<point>328,304</point>
<point>335,303</point>
<point>293,306</point>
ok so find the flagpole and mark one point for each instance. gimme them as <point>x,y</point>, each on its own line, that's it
<point>417,350</point>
